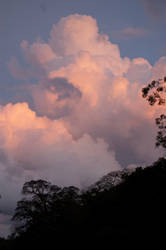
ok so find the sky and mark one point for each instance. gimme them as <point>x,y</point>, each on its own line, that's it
<point>71,74</point>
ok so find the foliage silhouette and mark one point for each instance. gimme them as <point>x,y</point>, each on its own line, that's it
<point>45,211</point>
<point>154,93</point>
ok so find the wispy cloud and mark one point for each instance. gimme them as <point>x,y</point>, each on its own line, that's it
<point>130,32</point>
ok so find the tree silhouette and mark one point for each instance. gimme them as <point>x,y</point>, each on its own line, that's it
<point>154,93</point>
<point>45,208</point>
<point>37,195</point>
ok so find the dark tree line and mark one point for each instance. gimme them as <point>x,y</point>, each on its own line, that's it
<point>133,211</point>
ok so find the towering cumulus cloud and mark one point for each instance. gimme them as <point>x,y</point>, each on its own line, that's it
<point>85,117</point>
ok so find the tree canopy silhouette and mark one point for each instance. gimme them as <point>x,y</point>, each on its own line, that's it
<point>44,207</point>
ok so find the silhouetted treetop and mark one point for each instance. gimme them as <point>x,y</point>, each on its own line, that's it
<point>153,92</point>
<point>34,187</point>
<point>43,203</point>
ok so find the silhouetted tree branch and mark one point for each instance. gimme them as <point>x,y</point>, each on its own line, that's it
<point>154,94</point>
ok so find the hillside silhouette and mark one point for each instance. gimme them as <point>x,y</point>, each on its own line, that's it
<point>133,209</point>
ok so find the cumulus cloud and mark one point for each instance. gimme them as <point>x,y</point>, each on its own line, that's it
<point>85,83</point>
<point>88,114</point>
<point>53,154</point>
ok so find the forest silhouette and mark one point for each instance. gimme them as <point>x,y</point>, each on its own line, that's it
<point>133,210</point>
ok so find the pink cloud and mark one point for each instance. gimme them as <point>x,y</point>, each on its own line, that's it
<point>103,86</point>
<point>54,154</point>
<point>38,52</point>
